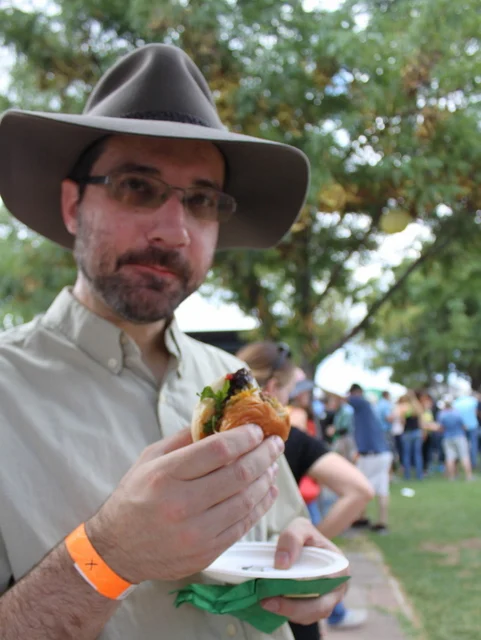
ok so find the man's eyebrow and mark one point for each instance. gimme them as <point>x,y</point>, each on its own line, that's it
<point>202,182</point>
<point>137,168</point>
<point>153,171</point>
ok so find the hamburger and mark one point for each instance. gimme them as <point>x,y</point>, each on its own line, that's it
<point>235,400</point>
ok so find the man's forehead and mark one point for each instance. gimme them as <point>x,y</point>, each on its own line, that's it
<point>144,146</point>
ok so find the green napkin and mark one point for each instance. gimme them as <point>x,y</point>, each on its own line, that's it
<point>243,600</point>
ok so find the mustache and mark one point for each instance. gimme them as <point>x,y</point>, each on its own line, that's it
<point>157,257</point>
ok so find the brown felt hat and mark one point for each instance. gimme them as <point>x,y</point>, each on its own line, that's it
<point>155,91</point>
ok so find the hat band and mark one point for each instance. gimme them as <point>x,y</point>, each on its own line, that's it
<point>170,116</point>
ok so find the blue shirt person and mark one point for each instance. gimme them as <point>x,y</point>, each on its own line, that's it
<point>368,431</point>
<point>384,411</point>
<point>451,422</point>
<point>467,407</point>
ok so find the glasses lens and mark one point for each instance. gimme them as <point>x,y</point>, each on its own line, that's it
<point>209,204</point>
<point>138,190</point>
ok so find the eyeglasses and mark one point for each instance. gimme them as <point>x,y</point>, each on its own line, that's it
<point>283,354</point>
<point>137,190</point>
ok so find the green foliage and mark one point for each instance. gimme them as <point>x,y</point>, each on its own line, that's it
<point>383,96</point>
<point>33,271</point>
<point>430,328</point>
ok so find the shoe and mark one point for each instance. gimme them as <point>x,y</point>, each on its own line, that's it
<point>379,528</point>
<point>353,618</point>
<point>361,523</point>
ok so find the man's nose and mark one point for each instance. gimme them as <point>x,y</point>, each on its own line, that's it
<point>169,222</point>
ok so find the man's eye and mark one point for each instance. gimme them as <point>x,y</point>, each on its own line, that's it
<point>201,199</point>
<point>135,191</point>
<point>136,184</point>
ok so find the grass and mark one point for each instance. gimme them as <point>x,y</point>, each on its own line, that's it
<point>434,550</point>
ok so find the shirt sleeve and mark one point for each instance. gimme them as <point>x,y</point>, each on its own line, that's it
<point>5,569</point>
<point>303,450</point>
<point>354,401</point>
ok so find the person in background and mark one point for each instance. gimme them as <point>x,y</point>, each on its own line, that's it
<point>318,406</point>
<point>385,409</point>
<point>342,433</point>
<point>455,443</point>
<point>411,411</point>
<point>397,428</point>
<point>328,430</point>
<point>374,456</point>
<point>467,406</point>
<point>437,438</point>
<point>307,455</point>
<point>300,401</point>
<point>430,428</point>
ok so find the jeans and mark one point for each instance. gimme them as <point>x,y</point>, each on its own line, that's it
<point>314,512</point>
<point>437,447</point>
<point>412,451</point>
<point>337,614</point>
<point>472,436</point>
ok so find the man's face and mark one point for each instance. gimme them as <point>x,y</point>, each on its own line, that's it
<point>142,263</point>
<point>304,399</point>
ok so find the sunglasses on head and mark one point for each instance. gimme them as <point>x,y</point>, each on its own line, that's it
<point>283,354</point>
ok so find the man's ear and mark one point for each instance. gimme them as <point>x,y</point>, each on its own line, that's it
<point>69,203</point>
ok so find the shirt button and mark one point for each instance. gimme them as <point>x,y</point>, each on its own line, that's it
<point>231,630</point>
<point>112,363</point>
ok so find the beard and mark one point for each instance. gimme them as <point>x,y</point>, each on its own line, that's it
<point>139,298</point>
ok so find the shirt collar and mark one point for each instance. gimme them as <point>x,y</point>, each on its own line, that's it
<point>101,340</point>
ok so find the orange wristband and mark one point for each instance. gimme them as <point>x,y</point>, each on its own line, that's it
<point>93,569</point>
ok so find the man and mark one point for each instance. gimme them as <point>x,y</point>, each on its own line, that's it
<point>467,406</point>
<point>101,488</point>
<point>374,457</point>
<point>455,444</point>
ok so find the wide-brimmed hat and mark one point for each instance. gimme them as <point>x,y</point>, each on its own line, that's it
<point>333,389</point>
<point>301,387</point>
<point>154,91</point>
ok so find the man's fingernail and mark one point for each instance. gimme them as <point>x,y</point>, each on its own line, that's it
<point>279,443</point>
<point>282,560</point>
<point>271,605</point>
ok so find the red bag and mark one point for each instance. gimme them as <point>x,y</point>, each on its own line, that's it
<point>309,489</point>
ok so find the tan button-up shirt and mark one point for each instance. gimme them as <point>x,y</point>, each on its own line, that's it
<point>77,407</point>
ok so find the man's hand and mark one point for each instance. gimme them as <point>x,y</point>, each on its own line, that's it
<point>179,507</point>
<point>298,534</point>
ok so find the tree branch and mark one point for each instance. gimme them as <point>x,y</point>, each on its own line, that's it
<point>337,270</point>
<point>436,247</point>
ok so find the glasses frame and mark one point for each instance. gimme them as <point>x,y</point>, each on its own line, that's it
<point>107,181</point>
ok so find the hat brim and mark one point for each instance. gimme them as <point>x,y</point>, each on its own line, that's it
<point>301,387</point>
<point>269,180</point>
<point>334,392</point>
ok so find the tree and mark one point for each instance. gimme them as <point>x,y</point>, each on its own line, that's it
<point>381,95</point>
<point>33,270</point>
<point>430,328</point>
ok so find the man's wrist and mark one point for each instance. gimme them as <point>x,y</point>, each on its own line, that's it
<point>110,550</point>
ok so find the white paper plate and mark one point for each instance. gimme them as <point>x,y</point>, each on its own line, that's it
<point>248,560</point>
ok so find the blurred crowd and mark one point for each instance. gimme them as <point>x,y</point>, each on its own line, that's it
<point>345,449</point>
